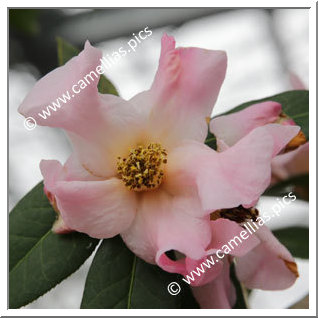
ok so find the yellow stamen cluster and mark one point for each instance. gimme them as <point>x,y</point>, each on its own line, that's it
<point>143,168</point>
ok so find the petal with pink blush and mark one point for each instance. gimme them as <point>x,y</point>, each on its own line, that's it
<point>101,209</point>
<point>225,232</point>
<point>231,128</point>
<point>218,294</point>
<point>234,177</point>
<point>292,163</point>
<point>123,127</point>
<point>205,268</point>
<point>53,172</point>
<point>80,109</point>
<point>269,266</point>
<point>163,223</point>
<point>180,104</point>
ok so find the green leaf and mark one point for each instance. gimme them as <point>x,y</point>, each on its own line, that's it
<point>296,239</point>
<point>295,104</point>
<point>38,258</point>
<point>65,51</point>
<point>119,279</point>
<point>299,185</point>
<point>210,141</point>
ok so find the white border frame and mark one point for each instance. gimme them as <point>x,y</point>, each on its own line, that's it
<point>312,121</point>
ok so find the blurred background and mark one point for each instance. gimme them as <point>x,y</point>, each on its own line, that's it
<point>267,54</point>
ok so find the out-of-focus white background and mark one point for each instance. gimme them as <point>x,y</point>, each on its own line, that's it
<point>264,51</point>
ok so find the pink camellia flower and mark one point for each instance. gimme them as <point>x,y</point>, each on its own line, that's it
<point>291,164</point>
<point>228,129</point>
<point>262,262</point>
<point>140,168</point>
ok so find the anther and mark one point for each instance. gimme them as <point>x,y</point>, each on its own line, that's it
<point>143,168</point>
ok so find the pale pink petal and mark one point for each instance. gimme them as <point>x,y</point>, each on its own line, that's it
<point>164,223</point>
<point>234,177</point>
<point>269,266</point>
<point>292,163</point>
<point>53,172</point>
<point>218,294</point>
<point>226,232</point>
<point>78,110</point>
<point>74,170</point>
<point>296,82</point>
<point>122,129</point>
<point>203,271</point>
<point>231,128</point>
<point>184,91</point>
<point>100,126</point>
<point>101,209</point>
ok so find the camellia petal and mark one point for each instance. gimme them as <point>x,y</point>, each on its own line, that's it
<point>218,294</point>
<point>178,101</point>
<point>292,163</point>
<point>139,168</point>
<point>163,223</point>
<point>231,128</point>
<point>235,177</point>
<point>80,109</point>
<point>102,209</point>
<point>226,232</point>
<point>269,266</point>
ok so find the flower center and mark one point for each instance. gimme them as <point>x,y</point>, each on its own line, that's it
<point>143,168</point>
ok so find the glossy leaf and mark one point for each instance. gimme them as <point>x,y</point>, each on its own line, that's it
<point>295,104</point>
<point>38,258</point>
<point>296,239</point>
<point>119,279</point>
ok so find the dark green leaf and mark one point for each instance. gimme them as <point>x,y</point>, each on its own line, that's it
<point>38,258</point>
<point>240,297</point>
<point>65,51</point>
<point>296,239</point>
<point>210,140</point>
<point>119,279</point>
<point>295,104</point>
